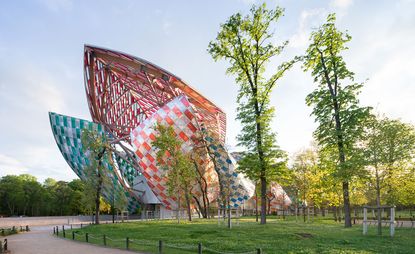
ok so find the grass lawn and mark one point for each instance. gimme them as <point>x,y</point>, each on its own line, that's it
<point>277,236</point>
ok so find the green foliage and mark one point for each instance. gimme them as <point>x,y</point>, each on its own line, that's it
<point>97,174</point>
<point>389,151</point>
<point>312,179</point>
<point>23,195</point>
<point>246,42</point>
<point>180,171</point>
<point>98,151</point>
<point>335,104</point>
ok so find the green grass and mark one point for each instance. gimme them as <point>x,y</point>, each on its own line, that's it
<point>277,236</point>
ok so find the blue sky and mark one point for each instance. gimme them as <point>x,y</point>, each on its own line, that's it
<point>41,47</point>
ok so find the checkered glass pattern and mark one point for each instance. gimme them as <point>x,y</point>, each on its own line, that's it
<point>67,132</point>
<point>177,113</point>
<point>236,185</point>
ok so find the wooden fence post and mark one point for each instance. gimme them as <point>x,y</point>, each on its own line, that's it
<point>86,237</point>
<point>127,243</point>
<point>364,220</point>
<point>160,247</point>
<point>392,222</point>
<point>105,240</point>
<point>259,251</point>
<point>199,248</point>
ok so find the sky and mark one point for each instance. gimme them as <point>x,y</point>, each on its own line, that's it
<point>41,50</point>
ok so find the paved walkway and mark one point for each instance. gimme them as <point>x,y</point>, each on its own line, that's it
<point>40,240</point>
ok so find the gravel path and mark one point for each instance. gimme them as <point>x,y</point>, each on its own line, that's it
<point>40,240</point>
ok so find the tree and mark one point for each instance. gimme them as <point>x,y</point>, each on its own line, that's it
<point>306,176</point>
<point>48,206</point>
<point>246,43</point>
<point>76,205</point>
<point>178,165</point>
<point>62,197</point>
<point>200,153</point>
<point>98,151</point>
<point>388,144</point>
<point>216,153</point>
<point>336,106</point>
<point>11,193</point>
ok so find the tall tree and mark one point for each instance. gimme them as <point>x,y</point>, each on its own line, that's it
<point>336,106</point>
<point>99,154</point>
<point>246,42</point>
<point>177,164</point>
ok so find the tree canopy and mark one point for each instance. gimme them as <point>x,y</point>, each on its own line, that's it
<point>246,43</point>
<point>335,103</point>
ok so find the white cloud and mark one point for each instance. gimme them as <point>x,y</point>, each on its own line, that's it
<point>47,95</point>
<point>309,19</point>
<point>386,56</point>
<point>391,89</point>
<point>166,27</point>
<point>341,4</point>
<point>11,166</point>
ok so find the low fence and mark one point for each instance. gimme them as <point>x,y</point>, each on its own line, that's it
<point>13,230</point>
<point>132,244</point>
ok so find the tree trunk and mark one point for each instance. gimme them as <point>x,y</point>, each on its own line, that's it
<point>256,205</point>
<point>208,208</point>
<point>97,198</point>
<point>263,199</point>
<point>203,187</point>
<point>283,205</point>
<point>262,178</point>
<point>189,212</point>
<point>347,217</point>
<point>378,202</point>
<point>340,141</point>
<point>200,210</point>
<point>304,212</point>
<point>178,208</point>
<point>229,211</point>
<point>335,213</point>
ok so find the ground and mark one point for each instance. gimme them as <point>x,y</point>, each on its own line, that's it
<point>40,240</point>
<point>278,236</point>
